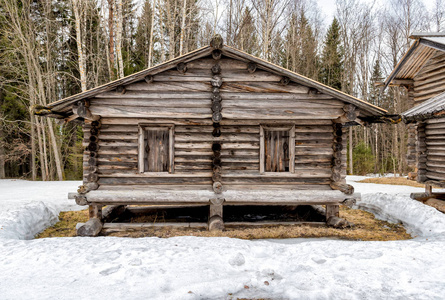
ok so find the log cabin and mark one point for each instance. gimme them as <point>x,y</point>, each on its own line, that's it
<point>429,120</point>
<point>422,72</point>
<point>213,127</point>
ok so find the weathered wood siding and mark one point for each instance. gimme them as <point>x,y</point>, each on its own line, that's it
<point>248,101</point>
<point>434,132</point>
<point>430,81</point>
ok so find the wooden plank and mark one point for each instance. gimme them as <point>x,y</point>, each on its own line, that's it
<point>149,112</point>
<point>116,120</point>
<point>282,114</point>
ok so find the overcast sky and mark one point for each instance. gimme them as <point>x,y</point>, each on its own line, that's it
<point>328,6</point>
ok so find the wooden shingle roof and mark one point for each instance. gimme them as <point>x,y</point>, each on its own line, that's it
<point>433,108</point>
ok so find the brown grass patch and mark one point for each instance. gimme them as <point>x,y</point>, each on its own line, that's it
<point>66,227</point>
<point>392,181</point>
<point>366,228</point>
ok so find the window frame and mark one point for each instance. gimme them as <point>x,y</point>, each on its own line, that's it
<point>286,127</point>
<point>142,128</point>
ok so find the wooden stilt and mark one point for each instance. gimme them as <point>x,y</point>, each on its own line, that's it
<point>216,214</point>
<point>95,211</point>
<point>428,189</point>
<point>332,211</point>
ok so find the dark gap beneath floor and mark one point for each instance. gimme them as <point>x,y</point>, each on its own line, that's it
<point>251,213</point>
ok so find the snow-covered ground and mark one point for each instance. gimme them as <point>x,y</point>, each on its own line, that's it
<point>216,268</point>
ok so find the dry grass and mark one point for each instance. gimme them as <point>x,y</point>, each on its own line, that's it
<point>393,181</point>
<point>66,227</point>
<point>366,228</point>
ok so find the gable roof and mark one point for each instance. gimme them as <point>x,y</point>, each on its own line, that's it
<point>423,48</point>
<point>433,108</point>
<point>62,108</point>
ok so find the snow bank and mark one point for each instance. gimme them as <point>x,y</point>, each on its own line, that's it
<point>418,218</point>
<point>25,222</point>
<point>29,207</point>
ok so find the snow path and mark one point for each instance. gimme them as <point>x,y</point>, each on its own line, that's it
<point>213,268</point>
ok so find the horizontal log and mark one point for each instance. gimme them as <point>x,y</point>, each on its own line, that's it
<point>285,114</point>
<point>149,112</point>
<point>125,227</point>
<point>115,120</point>
<point>231,197</point>
<point>435,176</point>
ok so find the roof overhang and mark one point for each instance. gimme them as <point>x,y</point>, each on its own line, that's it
<point>423,48</point>
<point>432,108</point>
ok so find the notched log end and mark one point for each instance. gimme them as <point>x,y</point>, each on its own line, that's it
<point>216,223</point>
<point>182,67</point>
<point>217,42</point>
<point>40,110</point>
<point>121,89</point>
<point>81,199</point>
<point>148,79</point>
<point>91,228</point>
<point>251,67</point>
<point>284,80</point>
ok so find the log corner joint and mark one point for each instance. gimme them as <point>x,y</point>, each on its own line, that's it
<point>81,109</point>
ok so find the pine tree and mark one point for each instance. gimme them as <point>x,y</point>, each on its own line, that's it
<point>143,37</point>
<point>374,93</point>
<point>332,58</point>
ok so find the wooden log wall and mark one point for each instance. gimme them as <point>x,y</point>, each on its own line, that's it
<point>185,97</point>
<point>435,149</point>
<point>430,81</point>
<point>421,152</point>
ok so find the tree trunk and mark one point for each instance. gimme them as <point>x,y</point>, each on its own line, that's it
<point>119,21</point>
<point>111,36</point>
<point>181,40</point>
<point>57,159</point>
<point>351,167</point>
<point>150,46</point>
<point>2,156</point>
<point>82,68</point>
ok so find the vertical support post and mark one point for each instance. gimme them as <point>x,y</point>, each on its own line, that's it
<point>216,222</point>
<point>95,211</point>
<point>292,150</point>
<point>428,189</point>
<point>262,150</point>
<point>332,211</point>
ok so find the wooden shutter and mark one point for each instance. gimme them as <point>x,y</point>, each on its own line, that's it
<point>156,147</point>
<point>276,150</point>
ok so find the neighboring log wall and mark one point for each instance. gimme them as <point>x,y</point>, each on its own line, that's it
<point>249,99</point>
<point>430,81</point>
<point>435,146</point>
